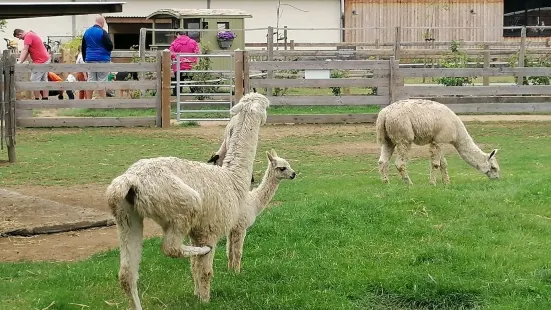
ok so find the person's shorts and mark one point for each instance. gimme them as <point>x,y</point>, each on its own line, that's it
<point>97,76</point>
<point>40,76</point>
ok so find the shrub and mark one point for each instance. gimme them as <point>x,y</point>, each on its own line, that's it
<point>456,59</point>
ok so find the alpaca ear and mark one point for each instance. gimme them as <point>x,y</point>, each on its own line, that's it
<point>274,154</point>
<point>236,109</point>
<point>213,158</point>
<point>493,153</point>
<point>270,157</point>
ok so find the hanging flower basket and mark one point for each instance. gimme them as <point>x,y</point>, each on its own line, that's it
<point>225,38</point>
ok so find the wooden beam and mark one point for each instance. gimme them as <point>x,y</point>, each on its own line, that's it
<point>148,84</point>
<point>118,103</point>
<point>417,91</point>
<point>166,88</point>
<point>98,67</point>
<point>329,100</point>
<point>295,83</point>
<point>321,119</point>
<point>318,65</point>
<point>86,121</point>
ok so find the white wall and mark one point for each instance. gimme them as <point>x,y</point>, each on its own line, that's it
<point>308,14</point>
<point>311,14</point>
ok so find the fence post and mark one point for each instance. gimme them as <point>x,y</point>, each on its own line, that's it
<point>391,80</point>
<point>166,87</point>
<point>159,91</point>
<point>486,78</point>
<point>246,76</point>
<point>522,53</point>
<point>238,76</point>
<point>2,100</point>
<point>9,103</point>
<point>397,42</point>
<point>141,47</point>
<point>285,37</point>
<point>270,48</point>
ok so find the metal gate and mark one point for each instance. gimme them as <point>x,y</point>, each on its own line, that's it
<point>205,92</point>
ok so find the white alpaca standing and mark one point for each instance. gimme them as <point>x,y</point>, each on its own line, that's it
<point>427,122</point>
<point>186,198</point>
<point>257,200</point>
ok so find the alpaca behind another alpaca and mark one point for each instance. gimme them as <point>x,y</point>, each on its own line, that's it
<point>256,201</point>
<point>218,157</point>
<point>427,122</point>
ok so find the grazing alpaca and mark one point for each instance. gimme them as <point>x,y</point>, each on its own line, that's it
<point>186,198</point>
<point>218,157</point>
<point>427,122</point>
<point>257,200</point>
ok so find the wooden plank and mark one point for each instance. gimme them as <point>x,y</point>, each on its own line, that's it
<point>159,90</point>
<point>473,72</point>
<point>86,121</point>
<point>122,103</point>
<point>130,54</point>
<point>328,100</point>
<point>491,99</point>
<point>374,82</point>
<point>270,50</point>
<point>166,89</point>
<point>98,67</point>
<point>322,119</point>
<point>499,108</point>
<point>22,86</point>
<point>522,54</point>
<point>303,65</point>
<point>486,79</point>
<point>418,91</point>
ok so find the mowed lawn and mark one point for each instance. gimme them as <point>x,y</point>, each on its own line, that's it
<point>336,237</point>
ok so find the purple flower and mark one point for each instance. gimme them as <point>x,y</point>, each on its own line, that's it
<point>225,35</point>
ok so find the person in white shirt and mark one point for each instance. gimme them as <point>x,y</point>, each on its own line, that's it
<point>81,76</point>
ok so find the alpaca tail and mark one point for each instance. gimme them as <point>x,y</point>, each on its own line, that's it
<point>121,196</point>
<point>382,136</point>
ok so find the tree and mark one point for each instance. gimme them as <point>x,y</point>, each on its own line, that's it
<point>3,23</point>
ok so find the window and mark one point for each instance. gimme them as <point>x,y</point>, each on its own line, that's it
<point>526,13</point>
<point>223,25</point>
<point>193,23</point>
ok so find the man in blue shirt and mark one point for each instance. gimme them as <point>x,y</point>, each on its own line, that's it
<point>96,48</point>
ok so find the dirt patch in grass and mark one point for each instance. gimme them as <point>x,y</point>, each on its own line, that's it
<point>68,246</point>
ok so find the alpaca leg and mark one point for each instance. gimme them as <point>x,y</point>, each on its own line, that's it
<point>435,156</point>
<point>202,272</point>
<point>402,160</point>
<point>173,247</point>
<point>235,249</point>
<point>386,153</point>
<point>444,169</point>
<point>130,229</point>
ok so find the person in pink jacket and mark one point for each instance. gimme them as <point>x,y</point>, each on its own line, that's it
<point>184,45</point>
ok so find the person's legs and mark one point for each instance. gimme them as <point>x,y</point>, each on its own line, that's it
<point>39,77</point>
<point>102,77</point>
<point>92,77</point>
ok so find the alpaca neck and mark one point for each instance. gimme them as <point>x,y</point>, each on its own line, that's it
<point>242,149</point>
<point>468,150</point>
<point>263,194</point>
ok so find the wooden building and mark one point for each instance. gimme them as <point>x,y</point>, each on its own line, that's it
<point>420,20</point>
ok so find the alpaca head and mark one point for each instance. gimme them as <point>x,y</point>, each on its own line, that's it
<point>490,167</point>
<point>281,168</point>
<point>252,102</point>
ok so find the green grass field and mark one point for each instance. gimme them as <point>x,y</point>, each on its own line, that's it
<point>338,239</point>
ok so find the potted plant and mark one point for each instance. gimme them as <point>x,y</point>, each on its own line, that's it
<point>225,38</point>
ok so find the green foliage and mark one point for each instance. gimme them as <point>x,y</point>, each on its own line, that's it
<point>337,74</point>
<point>532,61</point>
<point>3,24</point>
<point>336,238</point>
<point>73,44</point>
<point>456,59</point>
<point>205,78</point>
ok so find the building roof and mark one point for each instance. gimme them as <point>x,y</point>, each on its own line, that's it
<point>11,10</point>
<point>181,13</point>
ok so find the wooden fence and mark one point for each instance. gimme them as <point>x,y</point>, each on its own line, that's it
<point>154,83</point>
<point>388,79</point>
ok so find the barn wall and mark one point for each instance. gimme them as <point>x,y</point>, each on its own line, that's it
<point>419,17</point>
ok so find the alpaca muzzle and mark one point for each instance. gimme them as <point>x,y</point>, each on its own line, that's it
<point>293,175</point>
